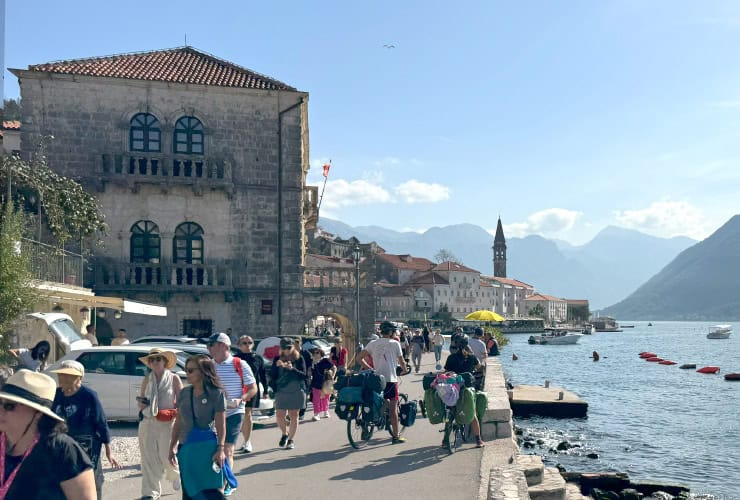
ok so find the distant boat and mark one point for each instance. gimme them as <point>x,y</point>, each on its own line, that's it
<point>606,324</point>
<point>588,329</point>
<point>650,324</point>
<point>719,332</point>
<point>560,338</point>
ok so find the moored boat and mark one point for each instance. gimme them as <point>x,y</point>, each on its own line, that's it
<point>688,366</point>
<point>732,376</point>
<point>719,332</point>
<point>708,369</point>
<point>560,338</point>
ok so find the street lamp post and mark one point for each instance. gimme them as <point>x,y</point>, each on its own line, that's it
<point>356,254</point>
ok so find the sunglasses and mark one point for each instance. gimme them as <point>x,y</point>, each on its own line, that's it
<point>156,358</point>
<point>191,370</point>
<point>246,342</point>
<point>8,405</point>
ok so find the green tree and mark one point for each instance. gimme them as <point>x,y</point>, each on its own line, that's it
<point>578,313</point>
<point>443,314</point>
<point>537,311</point>
<point>12,109</point>
<point>16,293</point>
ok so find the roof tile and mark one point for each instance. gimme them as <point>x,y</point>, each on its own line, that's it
<point>178,65</point>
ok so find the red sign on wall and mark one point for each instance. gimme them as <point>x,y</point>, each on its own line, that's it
<point>267,306</point>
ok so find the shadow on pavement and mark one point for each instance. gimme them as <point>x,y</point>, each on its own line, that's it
<point>296,461</point>
<point>408,459</point>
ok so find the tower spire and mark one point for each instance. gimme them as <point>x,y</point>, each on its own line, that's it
<point>499,251</point>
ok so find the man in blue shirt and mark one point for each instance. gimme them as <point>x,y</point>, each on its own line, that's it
<point>84,415</point>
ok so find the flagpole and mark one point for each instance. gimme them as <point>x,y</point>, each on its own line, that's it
<point>326,178</point>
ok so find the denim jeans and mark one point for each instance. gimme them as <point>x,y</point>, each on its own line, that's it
<point>438,353</point>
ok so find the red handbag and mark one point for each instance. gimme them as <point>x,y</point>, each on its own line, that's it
<point>166,415</point>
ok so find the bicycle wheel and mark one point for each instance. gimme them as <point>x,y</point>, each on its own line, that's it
<point>465,432</point>
<point>458,438</point>
<point>448,439</point>
<point>358,432</point>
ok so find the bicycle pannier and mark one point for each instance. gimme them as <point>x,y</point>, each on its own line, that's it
<point>481,405</point>
<point>434,406</point>
<point>426,381</point>
<point>407,413</point>
<point>465,412</point>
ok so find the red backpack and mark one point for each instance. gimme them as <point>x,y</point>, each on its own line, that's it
<point>240,371</point>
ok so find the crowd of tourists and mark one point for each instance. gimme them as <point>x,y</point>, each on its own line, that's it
<point>54,434</point>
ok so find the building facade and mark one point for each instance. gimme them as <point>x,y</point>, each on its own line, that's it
<point>555,309</point>
<point>199,166</point>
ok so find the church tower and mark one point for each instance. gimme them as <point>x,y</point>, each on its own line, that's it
<point>499,252</point>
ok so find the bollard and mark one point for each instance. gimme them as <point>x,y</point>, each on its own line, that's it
<point>547,384</point>
<point>560,396</point>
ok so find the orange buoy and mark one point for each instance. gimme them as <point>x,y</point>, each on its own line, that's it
<point>708,369</point>
<point>732,376</point>
<point>666,362</point>
<point>654,359</point>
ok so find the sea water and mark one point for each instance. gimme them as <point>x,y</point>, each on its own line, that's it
<point>652,421</point>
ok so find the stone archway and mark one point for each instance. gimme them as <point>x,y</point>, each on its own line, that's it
<point>348,330</point>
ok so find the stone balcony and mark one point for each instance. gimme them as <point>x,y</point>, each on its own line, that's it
<point>159,278</point>
<point>166,170</point>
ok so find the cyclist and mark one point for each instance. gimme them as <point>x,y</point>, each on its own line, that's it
<point>387,356</point>
<point>462,360</point>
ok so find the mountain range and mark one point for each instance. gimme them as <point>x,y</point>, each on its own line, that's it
<point>701,283</point>
<point>605,270</point>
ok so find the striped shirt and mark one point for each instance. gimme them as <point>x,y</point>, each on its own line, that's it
<point>232,382</point>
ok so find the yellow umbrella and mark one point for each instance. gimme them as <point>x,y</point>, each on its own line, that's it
<point>485,315</point>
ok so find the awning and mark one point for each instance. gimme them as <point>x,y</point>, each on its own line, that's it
<point>85,296</point>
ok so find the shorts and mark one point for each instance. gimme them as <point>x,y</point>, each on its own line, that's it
<point>233,427</point>
<point>391,391</point>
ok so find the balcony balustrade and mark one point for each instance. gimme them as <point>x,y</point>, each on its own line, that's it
<point>156,167</point>
<point>163,277</point>
<point>328,278</point>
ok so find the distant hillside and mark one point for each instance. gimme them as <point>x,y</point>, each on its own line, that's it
<point>604,270</point>
<point>702,283</point>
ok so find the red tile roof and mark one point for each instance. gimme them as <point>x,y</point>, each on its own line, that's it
<point>178,65</point>
<point>11,125</point>
<point>430,278</point>
<point>407,262</point>
<point>453,266</point>
<point>508,281</point>
<point>542,297</point>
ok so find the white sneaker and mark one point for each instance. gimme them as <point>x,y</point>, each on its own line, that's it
<point>246,447</point>
<point>325,415</point>
<point>316,418</point>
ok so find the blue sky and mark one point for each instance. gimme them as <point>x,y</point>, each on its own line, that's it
<point>561,116</point>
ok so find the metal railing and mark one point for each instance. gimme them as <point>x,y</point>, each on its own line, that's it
<point>49,263</point>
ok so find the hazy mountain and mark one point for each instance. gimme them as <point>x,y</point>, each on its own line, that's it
<point>604,270</point>
<point>702,283</point>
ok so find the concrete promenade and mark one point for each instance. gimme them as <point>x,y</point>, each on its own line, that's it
<point>324,466</point>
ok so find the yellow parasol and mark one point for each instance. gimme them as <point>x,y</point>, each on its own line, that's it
<point>485,315</point>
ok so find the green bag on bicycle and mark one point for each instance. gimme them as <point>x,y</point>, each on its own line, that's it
<point>434,406</point>
<point>481,404</point>
<point>465,406</point>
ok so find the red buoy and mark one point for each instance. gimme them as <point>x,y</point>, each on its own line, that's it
<point>654,359</point>
<point>645,355</point>
<point>666,362</point>
<point>708,369</point>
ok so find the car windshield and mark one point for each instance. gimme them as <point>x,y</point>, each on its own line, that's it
<point>65,329</point>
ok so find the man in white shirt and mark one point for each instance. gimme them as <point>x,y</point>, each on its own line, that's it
<point>90,335</point>
<point>121,338</point>
<point>386,356</point>
<point>239,388</point>
<point>478,346</point>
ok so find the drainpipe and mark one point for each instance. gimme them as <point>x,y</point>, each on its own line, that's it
<point>279,307</point>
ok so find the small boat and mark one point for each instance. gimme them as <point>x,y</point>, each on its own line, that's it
<point>650,324</point>
<point>708,369</point>
<point>719,332</point>
<point>588,329</point>
<point>732,376</point>
<point>559,338</point>
<point>688,366</point>
<point>645,355</point>
<point>666,362</point>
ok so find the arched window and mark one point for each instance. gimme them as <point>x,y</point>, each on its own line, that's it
<point>188,137</point>
<point>187,246</point>
<point>144,133</point>
<point>145,242</point>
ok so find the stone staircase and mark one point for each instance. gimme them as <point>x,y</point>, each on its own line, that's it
<point>528,478</point>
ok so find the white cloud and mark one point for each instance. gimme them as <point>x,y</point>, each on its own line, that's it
<point>341,193</point>
<point>548,222</point>
<point>666,219</point>
<point>413,191</point>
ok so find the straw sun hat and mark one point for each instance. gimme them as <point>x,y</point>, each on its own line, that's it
<point>169,356</point>
<point>31,389</point>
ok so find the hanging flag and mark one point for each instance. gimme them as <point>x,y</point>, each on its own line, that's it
<point>327,166</point>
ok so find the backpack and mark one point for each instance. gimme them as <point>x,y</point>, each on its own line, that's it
<point>240,371</point>
<point>465,409</point>
<point>426,381</point>
<point>434,406</point>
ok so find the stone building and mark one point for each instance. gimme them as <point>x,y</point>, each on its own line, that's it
<point>200,166</point>
<point>555,309</point>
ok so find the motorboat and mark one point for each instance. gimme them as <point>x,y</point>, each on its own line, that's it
<point>719,332</point>
<point>556,338</point>
<point>588,329</point>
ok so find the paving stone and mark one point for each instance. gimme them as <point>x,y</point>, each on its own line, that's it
<point>507,483</point>
<point>552,486</point>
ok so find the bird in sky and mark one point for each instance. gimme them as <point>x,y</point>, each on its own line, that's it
<point>389,46</point>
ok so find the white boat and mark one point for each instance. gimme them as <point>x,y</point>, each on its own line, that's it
<point>719,332</point>
<point>559,338</point>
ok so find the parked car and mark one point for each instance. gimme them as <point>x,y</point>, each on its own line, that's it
<point>116,373</point>
<point>165,339</point>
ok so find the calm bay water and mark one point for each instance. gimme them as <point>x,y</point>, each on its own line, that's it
<point>655,422</point>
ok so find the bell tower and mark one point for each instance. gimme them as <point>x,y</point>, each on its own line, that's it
<point>499,252</point>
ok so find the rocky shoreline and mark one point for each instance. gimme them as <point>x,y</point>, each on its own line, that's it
<point>605,485</point>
